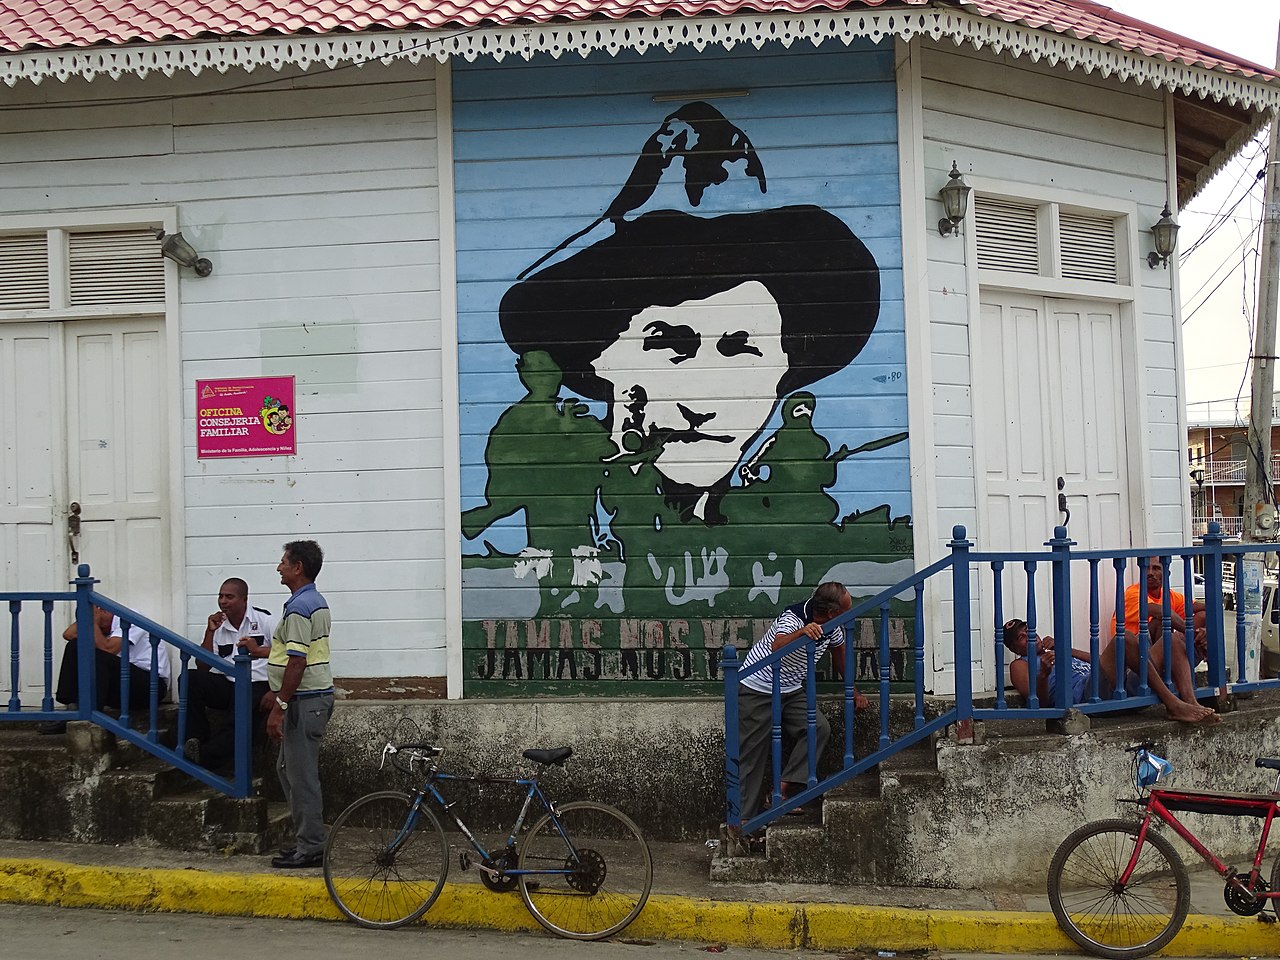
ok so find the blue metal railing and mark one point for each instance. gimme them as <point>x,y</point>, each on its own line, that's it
<point>85,598</point>
<point>1063,566</point>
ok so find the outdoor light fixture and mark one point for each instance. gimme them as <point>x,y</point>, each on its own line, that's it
<point>955,201</point>
<point>1198,476</point>
<point>1165,233</point>
<point>175,247</point>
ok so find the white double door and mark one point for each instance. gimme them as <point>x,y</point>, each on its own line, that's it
<point>1050,391</point>
<point>84,425</point>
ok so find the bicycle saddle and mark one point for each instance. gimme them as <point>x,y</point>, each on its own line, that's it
<point>556,755</point>
<point>1270,763</point>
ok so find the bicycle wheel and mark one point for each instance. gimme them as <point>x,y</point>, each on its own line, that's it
<point>380,871</point>
<point>595,871</point>
<point>1102,916</point>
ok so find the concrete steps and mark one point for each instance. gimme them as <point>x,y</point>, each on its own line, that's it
<point>87,786</point>
<point>854,838</point>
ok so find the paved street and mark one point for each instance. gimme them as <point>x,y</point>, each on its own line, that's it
<point>62,933</point>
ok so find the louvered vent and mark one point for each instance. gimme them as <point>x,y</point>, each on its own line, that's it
<point>1008,235</point>
<point>1088,247</point>
<point>24,272</point>
<point>115,267</point>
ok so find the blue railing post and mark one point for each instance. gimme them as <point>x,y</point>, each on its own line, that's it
<point>1095,660</point>
<point>85,666</point>
<point>961,625</point>
<point>15,672</point>
<point>732,746</point>
<point>1060,577</point>
<point>46,607</point>
<point>1143,627</point>
<point>1215,622</point>
<point>1122,628</point>
<point>810,711</point>
<point>1166,619</point>
<point>997,569</point>
<point>244,714</point>
<point>1033,636</point>
<point>885,675</point>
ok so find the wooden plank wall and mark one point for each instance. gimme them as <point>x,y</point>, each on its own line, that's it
<point>1020,122</point>
<point>316,197</point>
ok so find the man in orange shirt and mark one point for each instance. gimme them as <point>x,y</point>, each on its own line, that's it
<point>1184,707</point>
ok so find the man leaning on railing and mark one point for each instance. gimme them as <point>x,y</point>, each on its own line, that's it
<point>755,698</point>
<point>108,637</point>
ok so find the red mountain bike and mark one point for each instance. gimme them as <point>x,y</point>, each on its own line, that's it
<point>1119,889</point>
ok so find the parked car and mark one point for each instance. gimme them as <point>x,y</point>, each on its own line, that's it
<point>1270,666</point>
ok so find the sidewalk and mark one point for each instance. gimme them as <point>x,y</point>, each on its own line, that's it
<point>684,904</point>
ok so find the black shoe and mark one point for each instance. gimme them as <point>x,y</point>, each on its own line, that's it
<point>192,750</point>
<point>288,851</point>
<point>297,861</point>
<point>50,727</point>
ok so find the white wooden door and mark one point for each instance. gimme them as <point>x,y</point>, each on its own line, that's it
<point>33,532</point>
<point>118,457</point>
<point>1050,386</point>
<point>83,419</point>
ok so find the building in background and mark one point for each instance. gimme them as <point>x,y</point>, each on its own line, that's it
<point>1217,453</point>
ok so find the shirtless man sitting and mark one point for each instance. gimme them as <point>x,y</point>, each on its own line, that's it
<point>1181,706</point>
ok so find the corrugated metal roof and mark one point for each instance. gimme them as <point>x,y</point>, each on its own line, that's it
<point>53,24</point>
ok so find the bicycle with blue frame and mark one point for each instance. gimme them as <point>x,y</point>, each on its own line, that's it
<point>1119,889</point>
<point>583,868</point>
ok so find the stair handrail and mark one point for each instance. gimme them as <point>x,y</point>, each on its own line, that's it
<point>85,598</point>
<point>964,564</point>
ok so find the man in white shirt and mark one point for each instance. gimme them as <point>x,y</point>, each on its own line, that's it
<point>108,637</point>
<point>234,627</point>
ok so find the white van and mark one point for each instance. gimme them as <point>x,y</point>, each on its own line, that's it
<point>1270,625</point>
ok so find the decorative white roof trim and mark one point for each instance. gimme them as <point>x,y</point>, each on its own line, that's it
<point>585,38</point>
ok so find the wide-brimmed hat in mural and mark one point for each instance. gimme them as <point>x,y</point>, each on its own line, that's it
<point>690,327</point>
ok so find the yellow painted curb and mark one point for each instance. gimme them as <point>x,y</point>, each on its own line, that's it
<point>819,926</point>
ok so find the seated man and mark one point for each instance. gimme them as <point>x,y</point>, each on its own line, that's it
<point>108,637</point>
<point>235,626</point>
<point>1182,706</point>
<point>755,694</point>
<point>1155,612</point>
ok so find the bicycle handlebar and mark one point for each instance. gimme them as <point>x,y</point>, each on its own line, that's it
<point>418,753</point>
<point>1138,747</point>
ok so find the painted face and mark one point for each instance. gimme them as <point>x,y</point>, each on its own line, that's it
<point>702,376</point>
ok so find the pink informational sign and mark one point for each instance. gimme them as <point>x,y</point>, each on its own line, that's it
<point>245,417</point>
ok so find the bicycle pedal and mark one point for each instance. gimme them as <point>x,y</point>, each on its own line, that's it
<point>464,860</point>
<point>1266,918</point>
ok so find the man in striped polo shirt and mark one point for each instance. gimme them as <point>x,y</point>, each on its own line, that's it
<point>302,699</point>
<point>755,693</point>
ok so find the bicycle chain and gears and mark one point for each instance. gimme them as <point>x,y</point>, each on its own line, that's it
<point>499,864</point>
<point>504,861</point>
<point>589,872</point>
<point>1243,902</point>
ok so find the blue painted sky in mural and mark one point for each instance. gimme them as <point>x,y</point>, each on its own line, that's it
<point>534,170</point>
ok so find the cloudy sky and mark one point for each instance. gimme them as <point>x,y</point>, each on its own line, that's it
<point>1219,277</point>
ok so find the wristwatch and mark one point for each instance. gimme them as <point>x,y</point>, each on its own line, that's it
<point>282,704</point>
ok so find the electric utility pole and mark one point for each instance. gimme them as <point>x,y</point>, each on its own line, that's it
<point>1259,521</point>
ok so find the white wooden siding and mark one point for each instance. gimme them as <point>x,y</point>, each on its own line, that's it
<point>1018,122</point>
<point>316,196</point>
